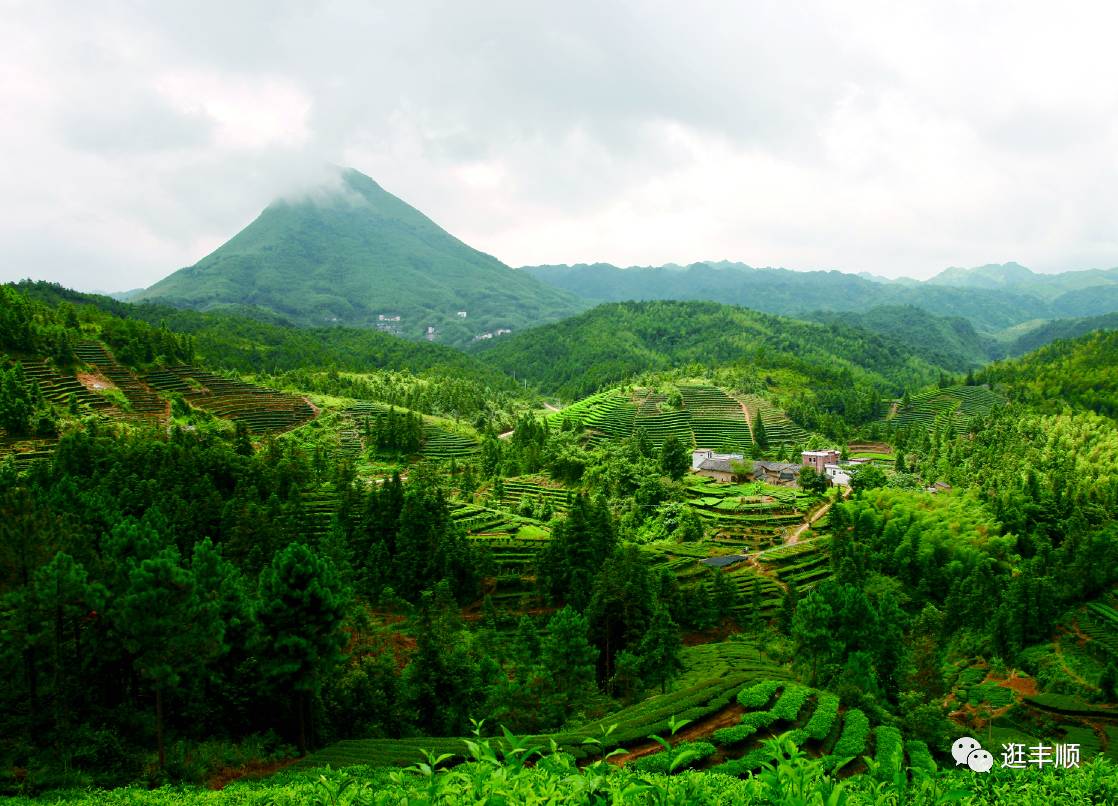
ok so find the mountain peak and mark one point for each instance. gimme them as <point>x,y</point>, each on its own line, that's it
<point>343,250</point>
<point>992,275</point>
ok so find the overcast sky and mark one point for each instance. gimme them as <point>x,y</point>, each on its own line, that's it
<point>892,137</point>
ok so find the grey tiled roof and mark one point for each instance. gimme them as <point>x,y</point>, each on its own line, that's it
<point>777,467</point>
<point>721,465</point>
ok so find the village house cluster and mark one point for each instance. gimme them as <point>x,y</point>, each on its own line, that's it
<point>734,467</point>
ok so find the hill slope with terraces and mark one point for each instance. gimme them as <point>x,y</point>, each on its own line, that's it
<point>696,412</point>
<point>96,383</point>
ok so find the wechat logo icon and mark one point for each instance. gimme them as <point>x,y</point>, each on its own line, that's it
<point>968,751</point>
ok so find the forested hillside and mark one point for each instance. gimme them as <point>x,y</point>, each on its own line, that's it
<point>1047,332</point>
<point>361,551</point>
<point>1081,373</point>
<point>835,368</point>
<point>259,341</point>
<point>944,341</point>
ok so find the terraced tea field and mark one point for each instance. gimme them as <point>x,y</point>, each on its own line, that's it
<point>709,418</point>
<point>804,564</point>
<point>536,489</point>
<point>59,387</point>
<point>752,516</point>
<point>778,428</point>
<point>143,400</point>
<point>613,418</point>
<point>262,410</point>
<point>961,403</point>
<point>440,443</point>
<point>718,422</point>
<point>26,450</point>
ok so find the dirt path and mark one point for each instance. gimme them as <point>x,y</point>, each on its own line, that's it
<point>794,538</point>
<point>505,435</point>
<point>1067,669</point>
<point>727,717</point>
<point>549,407</point>
<point>748,419</point>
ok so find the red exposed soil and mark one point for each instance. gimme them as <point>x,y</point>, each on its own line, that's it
<point>1079,634</point>
<point>94,381</point>
<point>871,447</point>
<point>727,717</point>
<point>1022,685</point>
<point>476,615</point>
<point>710,636</point>
<point>253,769</point>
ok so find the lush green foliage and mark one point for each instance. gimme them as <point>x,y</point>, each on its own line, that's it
<point>1082,373</point>
<point>945,341</point>
<point>240,340</point>
<point>611,343</point>
<point>501,773</point>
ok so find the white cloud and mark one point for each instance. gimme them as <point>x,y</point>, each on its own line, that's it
<point>891,137</point>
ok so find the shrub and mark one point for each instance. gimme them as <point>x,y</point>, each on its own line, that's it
<point>790,702</point>
<point>852,742</point>
<point>750,724</point>
<point>889,753</point>
<point>759,694</point>
<point>659,762</point>
<point>826,709</point>
<point>919,757</point>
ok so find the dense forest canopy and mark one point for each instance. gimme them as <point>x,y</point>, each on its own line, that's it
<point>226,541</point>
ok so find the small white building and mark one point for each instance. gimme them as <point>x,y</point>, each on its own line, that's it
<point>461,314</point>
<point>503,331</point>
<point>837,475</point>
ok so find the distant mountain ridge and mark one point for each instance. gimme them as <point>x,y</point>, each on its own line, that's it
<point>353,254</point>
<point>992,298</point>
<point>1014,276</point>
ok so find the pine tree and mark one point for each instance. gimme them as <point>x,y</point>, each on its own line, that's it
<point>443,681</point>
<point>674,458</point>
<point>625,679</point>
<point>723,595</point>
<point>760,438</point>
<point>64,598</point>
<point>788,605</point>
<point>526,642</point>
<point>812,632</point>
<point>170,630</point>
<point>301,611</point>
<point>1108,683</point>
<point>569,660</point>
<point>660,650</point>
<point>756,618</point>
